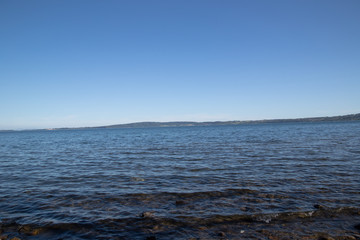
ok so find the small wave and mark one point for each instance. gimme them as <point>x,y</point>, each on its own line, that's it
<point>195,195</point>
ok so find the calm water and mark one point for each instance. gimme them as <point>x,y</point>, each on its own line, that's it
<point>164,182</point>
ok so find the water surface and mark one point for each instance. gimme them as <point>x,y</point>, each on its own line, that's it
<point>200,182</point>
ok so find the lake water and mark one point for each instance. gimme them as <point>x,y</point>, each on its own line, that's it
<point>292,180</point>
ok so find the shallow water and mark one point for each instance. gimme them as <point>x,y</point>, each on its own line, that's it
<point>182,183</point>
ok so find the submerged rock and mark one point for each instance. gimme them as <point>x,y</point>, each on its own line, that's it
<point>151,238</point>
<point>15,238</point>
<point>318,206</point>
<point>357,226</point>
<point>348,238</point>
<point>325,237</point>
<point>179,202</point>
<point>28,230</point>
<point>147,214</point>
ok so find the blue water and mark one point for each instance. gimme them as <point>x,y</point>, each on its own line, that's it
<point>93,175</point>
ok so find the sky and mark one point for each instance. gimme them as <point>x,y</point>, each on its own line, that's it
<point>92,63</point>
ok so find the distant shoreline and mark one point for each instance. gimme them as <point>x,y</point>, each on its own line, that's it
<point>349,117</point>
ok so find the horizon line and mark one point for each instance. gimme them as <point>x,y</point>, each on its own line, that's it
<point>324,118</point>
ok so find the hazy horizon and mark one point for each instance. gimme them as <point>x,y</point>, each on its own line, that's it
<point>94,63</point>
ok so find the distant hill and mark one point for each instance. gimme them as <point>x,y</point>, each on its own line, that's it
<point>351,117</point>
<point>344,118</point>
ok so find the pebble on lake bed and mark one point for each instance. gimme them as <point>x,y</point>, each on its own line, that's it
<point>29,231</point>
<point>147,214</point>
<point>179,202</point>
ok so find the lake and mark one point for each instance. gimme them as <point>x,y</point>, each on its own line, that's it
<point>249,181</point>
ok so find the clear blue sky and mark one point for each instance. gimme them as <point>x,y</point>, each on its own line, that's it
<point>88,63</point>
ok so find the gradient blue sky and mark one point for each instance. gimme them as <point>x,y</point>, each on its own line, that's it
<point>88,63</point>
